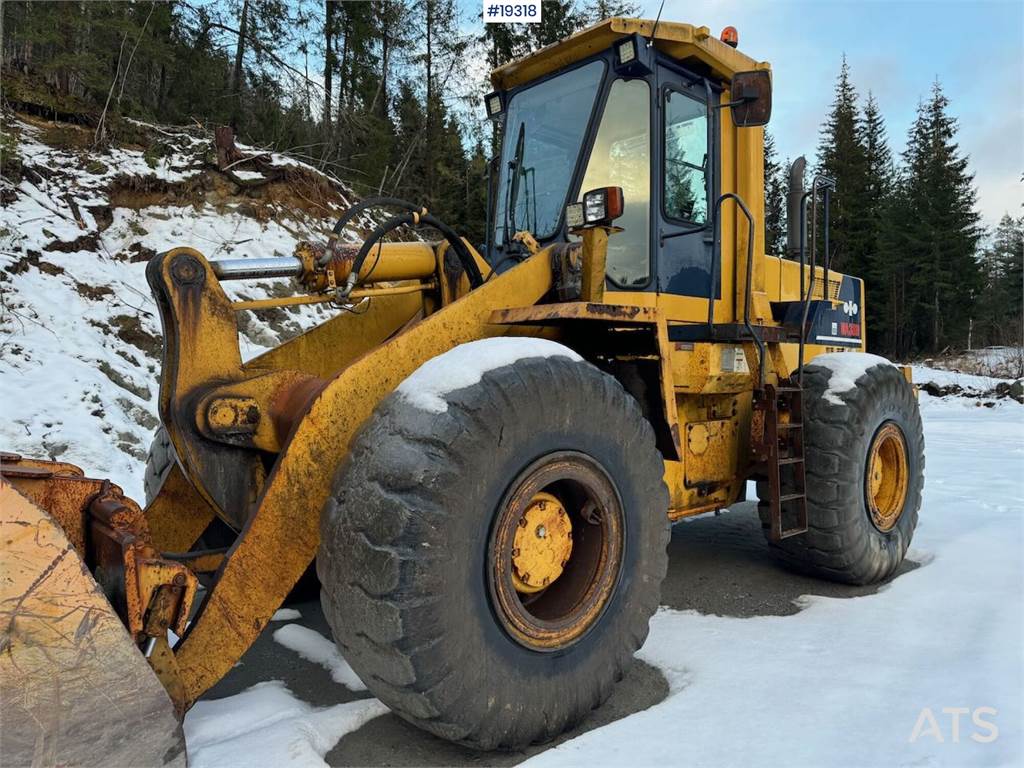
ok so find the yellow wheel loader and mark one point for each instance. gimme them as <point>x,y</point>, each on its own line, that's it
<point>484,448</point>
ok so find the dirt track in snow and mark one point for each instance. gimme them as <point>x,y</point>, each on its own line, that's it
<point>718,565</point>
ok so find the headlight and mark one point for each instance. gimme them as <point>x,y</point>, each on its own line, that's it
<point>600,206</point>
<point>593,206</point>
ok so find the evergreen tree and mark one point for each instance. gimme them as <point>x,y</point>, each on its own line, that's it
<point>330,32</point>
<point>841,158</point>
<point>775,186</point>
<point>441,46</point>
<point>1000,311</point>
<point>870,208</point>
<point>599,10</point>
<point>891,287</point>
<point>943,231</point>
<point>260,28</point>
<point>559,19</point>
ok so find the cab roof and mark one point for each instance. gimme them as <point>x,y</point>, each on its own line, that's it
<point>679,41</point>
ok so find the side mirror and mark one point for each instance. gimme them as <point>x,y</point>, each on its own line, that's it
<point>751,103</point>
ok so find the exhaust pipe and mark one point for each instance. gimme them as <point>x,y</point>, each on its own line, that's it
<point>795,234</point>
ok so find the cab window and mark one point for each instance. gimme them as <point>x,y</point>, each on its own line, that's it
<point>621,157</point>
<point>686,158</point>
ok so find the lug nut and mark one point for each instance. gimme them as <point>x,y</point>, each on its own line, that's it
<point>515,552</point>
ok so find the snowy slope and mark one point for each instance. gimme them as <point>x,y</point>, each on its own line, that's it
<point>79,332</point>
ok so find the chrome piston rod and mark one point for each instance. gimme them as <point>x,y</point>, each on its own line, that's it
<point>252,269</point>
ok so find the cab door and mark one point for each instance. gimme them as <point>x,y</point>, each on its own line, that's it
<point>685,183</point>
<point>620,156</point>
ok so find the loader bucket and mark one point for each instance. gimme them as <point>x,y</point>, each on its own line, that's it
<point>74,687</point>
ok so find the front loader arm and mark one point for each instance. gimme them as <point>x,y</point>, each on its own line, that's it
<point>281,535</point>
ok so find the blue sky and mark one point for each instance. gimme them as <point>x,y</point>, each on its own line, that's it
<point>896,50</point>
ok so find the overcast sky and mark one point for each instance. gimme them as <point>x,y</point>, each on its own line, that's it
<point>896,50</point>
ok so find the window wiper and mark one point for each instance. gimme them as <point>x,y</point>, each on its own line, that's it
<point>512,186</point>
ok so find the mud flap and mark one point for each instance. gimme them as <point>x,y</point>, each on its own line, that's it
<point>75,689</point>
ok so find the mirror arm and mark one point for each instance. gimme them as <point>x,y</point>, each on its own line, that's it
<point>735,102</point>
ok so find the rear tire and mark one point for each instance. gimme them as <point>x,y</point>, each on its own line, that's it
<point>409,551</point>
<point>843,542</point>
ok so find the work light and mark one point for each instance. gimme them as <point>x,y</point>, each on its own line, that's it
<point>599,207</point>
<point>494,104</point>
<point>627,50</point>
<point>633,57</point>
<point>574,215</point>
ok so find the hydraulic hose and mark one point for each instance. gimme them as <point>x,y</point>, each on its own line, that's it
<point>414,219</point>
<point>374,202</point>
<point>416,216</point>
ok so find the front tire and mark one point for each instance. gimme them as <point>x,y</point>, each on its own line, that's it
<point>432,587</point>
<point>864,453</point>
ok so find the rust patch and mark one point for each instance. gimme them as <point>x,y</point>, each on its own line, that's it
<point>617,311</point>
<point>290,403</point>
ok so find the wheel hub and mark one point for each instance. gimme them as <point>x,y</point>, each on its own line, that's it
<point>556,551</point>
<point>887,477</point>
<point>542,544</point>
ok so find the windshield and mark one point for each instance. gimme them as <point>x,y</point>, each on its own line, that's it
<point>544,130</point>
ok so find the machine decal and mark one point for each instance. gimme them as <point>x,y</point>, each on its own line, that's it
<point>841,324</point>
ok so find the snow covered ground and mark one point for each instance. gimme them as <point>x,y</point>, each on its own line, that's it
<point>927,672</point>
<point>845,681</point>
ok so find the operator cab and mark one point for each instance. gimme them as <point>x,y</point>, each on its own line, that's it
<point>623,105</point>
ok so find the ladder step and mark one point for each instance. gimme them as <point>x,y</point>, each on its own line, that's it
<point>787,389</point>
<point>790,497</point>
<point>790,425</point>
<point>791,460</point>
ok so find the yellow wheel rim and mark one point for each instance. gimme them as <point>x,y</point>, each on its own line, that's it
<point>556,551</point>
<point>887,477</point>
<point>542,544</point>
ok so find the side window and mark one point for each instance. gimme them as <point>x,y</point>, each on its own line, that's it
<point>686,158</point>
<point>621,157</point>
